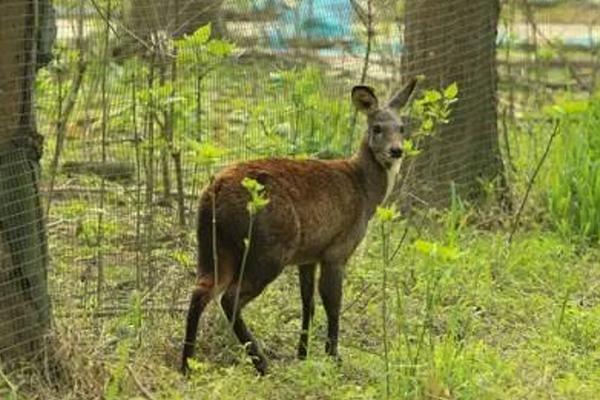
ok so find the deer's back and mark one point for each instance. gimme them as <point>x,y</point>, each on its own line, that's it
<point>315,211</point>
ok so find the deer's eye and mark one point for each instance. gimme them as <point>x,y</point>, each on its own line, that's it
<point>377,129</point>
<point>402,129</point>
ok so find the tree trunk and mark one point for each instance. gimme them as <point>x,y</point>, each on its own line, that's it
<point>24,300</point>
<point>455,41</point>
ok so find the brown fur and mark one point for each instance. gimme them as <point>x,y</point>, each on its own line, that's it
<point>318,212</point>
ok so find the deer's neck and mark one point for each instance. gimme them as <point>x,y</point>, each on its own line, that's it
<point>377,180</point>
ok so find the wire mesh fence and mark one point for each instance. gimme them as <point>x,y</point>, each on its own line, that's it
<point>144,100</point>
<point>154,101</point>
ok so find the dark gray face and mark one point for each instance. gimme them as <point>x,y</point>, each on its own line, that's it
<point>386,135</point>
<point>386,130</point>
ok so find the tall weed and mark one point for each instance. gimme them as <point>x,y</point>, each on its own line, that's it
<point>572,181</point>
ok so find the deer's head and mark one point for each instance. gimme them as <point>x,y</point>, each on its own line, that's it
<point>386,130</point>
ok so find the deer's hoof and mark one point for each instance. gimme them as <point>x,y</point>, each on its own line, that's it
<point>261,365</point>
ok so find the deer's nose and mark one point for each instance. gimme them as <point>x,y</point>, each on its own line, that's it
<point>395,152</point>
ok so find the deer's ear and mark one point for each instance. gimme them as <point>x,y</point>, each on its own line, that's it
<point>364,99</point>
<point>402,96</point>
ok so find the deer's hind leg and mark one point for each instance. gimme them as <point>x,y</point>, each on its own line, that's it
<point>250,286</point>
<point>206,289</point>
<point>307,290</point>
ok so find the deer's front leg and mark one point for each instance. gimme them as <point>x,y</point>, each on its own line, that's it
<point>330,289</point>
<point>307,291</point>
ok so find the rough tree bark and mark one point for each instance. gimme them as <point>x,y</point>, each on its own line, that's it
<point>24,300</point>
<point>455,41</point>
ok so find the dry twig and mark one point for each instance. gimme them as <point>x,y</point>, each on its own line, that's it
<point>517,217</point>
<point>145,392</point>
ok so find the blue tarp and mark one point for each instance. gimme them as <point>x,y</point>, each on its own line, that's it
<point>308,19</point>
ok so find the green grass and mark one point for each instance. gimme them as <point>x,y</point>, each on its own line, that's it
<point>573,176</point>
<point>482,323</point>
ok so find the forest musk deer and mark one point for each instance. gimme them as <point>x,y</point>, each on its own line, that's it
<point>318,212</point>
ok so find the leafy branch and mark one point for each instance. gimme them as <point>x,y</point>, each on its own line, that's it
<point>257,202</point>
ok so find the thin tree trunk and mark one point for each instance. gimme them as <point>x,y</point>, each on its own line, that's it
<point>104,128</point>
<point>150,170</point>
<point>167,134</point>
<point>175,152</point>
<point>138,184</point>
<point>24,300</point>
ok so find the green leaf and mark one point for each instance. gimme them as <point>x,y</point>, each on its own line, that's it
<point>436,251</point>
<point>409,148</point>
<point>427,125</point>
<point>186,56</point>
<point>386,214</point>
<point>258,201</point>
<point>191,47</point>
<point>432,96</point>
<point>208,153</point>
<point>195,366</point>
<point>451,91</point>
<point>220,48</point>
<point>252,185</point>
<point>201,36</point>
<point>448,253</point>
<point>424,247</point>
